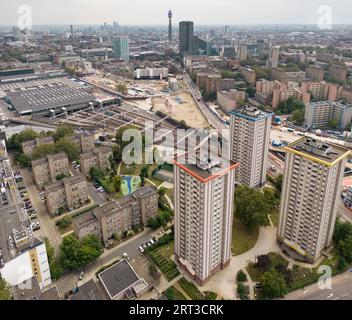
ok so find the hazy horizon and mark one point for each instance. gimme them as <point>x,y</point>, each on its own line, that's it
<point>154,12</point>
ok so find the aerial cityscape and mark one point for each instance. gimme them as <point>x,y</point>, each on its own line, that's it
<point>183,155</point>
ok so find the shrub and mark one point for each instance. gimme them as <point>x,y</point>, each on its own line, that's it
<point>241,276</point>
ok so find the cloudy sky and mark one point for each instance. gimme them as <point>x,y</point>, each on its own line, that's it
<point>154,12</point>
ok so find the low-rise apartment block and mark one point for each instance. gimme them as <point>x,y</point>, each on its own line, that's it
<point>85,141</point>
<point>228,100</point>
<point>315,73</point>
<point>274,92</point>
<point>48,169</point>
<point>321,91</point>
<point>41,173</point>
<point>319,114</point>
<point>69,193</point>
<point>118,216</point>
<point>249,75</point>
<point>99,157</point>
<point>29,146</point>
<point>338,72</point>
<point>58,165</point>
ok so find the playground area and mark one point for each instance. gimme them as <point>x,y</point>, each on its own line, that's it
<point>180,106</point>
<point>129,184</point>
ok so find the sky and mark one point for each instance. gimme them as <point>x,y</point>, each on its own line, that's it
<point>154,12</point>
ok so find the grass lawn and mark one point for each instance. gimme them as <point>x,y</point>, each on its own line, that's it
<point>275,216</point>
<point>170,194</point>
<point>135,170</point>
<point>242,239</point>
<point>173,294</point>
<point>167,250</point>
<point>65,229</point>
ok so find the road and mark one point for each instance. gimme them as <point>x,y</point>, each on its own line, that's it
<point>341,289</point>
<point>47,226</point>
<point>130,247</point>
<point>214,120</point>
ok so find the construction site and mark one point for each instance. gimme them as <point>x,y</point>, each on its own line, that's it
<point>180,106</point>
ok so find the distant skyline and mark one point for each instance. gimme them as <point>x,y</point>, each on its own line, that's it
<point>154,12</point>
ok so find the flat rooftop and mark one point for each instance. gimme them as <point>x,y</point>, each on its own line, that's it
<point>316,150</point>
<point>85,219</point>
<point>89,291</point>
<point>205,167</point>
<point>118,278</point>
<point>74,179</point>
<point>39,99</point>
<point>250,113</point>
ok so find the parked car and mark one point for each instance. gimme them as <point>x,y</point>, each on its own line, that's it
<point>141,249</point>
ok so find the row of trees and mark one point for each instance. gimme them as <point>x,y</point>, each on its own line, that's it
<point>29,134</point>
<point>61,137</point>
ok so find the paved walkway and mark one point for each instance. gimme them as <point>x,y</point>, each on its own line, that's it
<point>250,284</point>
<point>224,282</point>
<point>166,196</point>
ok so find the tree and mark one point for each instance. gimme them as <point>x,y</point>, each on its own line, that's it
<point>250,90</point>
<point>342,231</point>
<point>333,123</point>
<point>5,290</point>
<point>91,248</point>
<point>62,132</point>
<point>278,184</point>
<point>69,147</point>
<point>144,173</point>
<point>75,255</point>
<point>271,197</point>
<point>23,160</point>
<point>26,135</point>
<point>70,253</point>
<point>117,183</point>
<point>43,150</point>
<point>121,87</point>
<point>120,144</point>
<point>273,285</point>
<point>290,105</point>
<point>345,248</point>
<point>241,276</point>
<point>56,269</point>
<point>60,176</point>
<point>251,207</point>
<point>95,174</point>
<point>153,223</point>
<point>162,191</point>
<point>113,164</point>
<point>298,117</point>
<point>263,262</point>
<point>343,239</point>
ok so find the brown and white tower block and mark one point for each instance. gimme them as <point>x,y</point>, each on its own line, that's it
<point>204,194</point>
